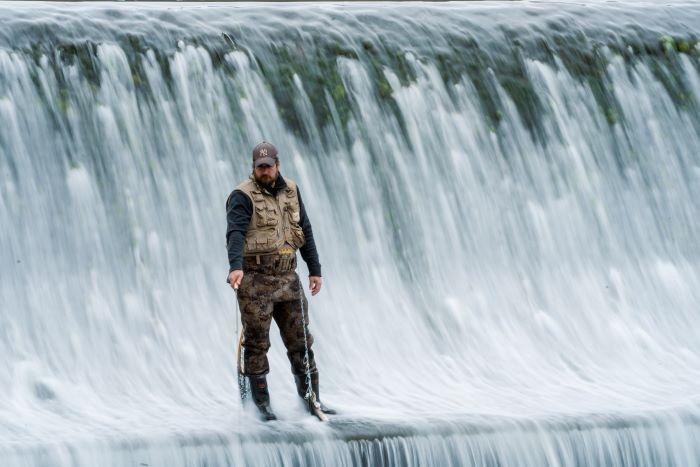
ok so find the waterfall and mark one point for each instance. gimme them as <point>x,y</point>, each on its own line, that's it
<point>504,197</point>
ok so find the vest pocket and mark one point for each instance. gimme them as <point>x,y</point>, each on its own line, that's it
<point>250,245</point>
<point>261,240</point>
<point>298,237</point>
<point>292,211</point>
<point>295,229</point>
<point>260,217</point>
<point>265,217</point>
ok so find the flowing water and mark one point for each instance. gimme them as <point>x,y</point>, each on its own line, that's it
<point>504,196</point>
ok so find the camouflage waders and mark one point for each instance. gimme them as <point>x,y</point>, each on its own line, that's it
<point>270,289</point>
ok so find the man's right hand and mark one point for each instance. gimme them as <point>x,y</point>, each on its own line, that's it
<point>235,277</point>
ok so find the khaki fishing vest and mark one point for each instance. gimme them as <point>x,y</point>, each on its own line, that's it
<point>275,220</point>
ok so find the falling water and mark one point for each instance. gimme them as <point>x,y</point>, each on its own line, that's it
<point>504,198</point>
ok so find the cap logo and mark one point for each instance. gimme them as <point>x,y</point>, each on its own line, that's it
<point>263,152</point>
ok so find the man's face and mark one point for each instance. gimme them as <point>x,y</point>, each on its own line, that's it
<point>266,174</point>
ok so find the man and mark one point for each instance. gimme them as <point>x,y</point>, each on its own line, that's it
<point>267,223</point>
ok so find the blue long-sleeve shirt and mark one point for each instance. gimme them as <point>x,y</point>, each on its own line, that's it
<point>239,210</point>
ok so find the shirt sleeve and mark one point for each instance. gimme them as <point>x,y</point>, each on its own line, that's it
<point>308,251</point>
<point>239,210</point>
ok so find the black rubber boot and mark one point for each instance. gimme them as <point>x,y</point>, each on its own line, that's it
<point>300,380</point>
<point>261,397</point>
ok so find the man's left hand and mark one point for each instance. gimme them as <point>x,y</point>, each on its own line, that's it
<point>315,284</point>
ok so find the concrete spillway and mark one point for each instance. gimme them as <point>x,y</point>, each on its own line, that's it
<point>504,198</point>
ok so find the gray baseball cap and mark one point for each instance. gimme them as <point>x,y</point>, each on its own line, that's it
<point>264,153</point>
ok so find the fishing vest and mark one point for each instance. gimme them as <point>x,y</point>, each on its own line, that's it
<point>275,220</point>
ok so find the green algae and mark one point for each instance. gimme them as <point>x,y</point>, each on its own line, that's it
<point>488,66</point>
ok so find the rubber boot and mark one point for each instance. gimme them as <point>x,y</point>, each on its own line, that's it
<point>300,380</point>
<point>261,396</point>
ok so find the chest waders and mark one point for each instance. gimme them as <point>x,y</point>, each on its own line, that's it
<point>244,384</point>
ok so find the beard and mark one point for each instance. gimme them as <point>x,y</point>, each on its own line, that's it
<point>265,181</point>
